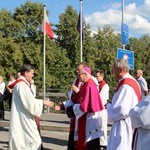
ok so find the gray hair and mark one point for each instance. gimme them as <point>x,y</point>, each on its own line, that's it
<point>122,63</point>
<point>101,72</point>
<point>26,67</point>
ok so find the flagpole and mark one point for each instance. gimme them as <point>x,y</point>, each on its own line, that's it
<point>81,30</point>
<point>44,62</point>
<point>123,17</point>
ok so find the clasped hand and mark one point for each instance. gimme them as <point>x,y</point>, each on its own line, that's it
<point>48,102</point>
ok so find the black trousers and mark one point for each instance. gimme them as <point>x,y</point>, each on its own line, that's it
<point>94,144</point>
<point>2,110</point>
<point>71,141</point>
<point>91,145</point>
<point>10,100</point>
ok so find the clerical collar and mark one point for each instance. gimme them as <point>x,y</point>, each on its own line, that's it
<point>100,81</point>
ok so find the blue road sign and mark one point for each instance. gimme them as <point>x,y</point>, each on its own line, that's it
<point>124,33</point>
<point>127,55</point>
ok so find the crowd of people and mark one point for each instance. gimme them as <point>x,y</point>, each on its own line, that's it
<point>88,107</point>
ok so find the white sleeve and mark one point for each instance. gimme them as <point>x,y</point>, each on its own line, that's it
<point>30,103</point>
<point>123,101</point>
<point>139,114</point>
<point>144,85</point>
<point>104,93</point>
<point>68,103</point>
<point>2,87</point>
<point>70,91</point>
<point>77,111</point>
<point>96,82</point>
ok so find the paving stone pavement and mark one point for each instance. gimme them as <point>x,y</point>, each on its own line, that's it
<point>54,131</point>
<point>52,140</point>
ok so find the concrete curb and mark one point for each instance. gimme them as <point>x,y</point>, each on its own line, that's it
<point>54,128</point>
<point>42,127</point>
<point>48,128</point>
<point>48,122</point>
<point>4,124</point>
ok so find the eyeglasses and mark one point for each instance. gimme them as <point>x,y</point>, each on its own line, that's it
<point>81,73</point>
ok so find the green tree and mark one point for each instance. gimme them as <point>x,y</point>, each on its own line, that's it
<point>24,44</point>
<point>30,16</point>
<point>68,37</point>
<point>21,42</point>
<point>106,44</point>
<point>9,49</point>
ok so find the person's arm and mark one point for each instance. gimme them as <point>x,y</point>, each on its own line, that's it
<point>145,92</point>
<point>77,111</point>
<point>32,105</point>
<point>139,114</point>
<point>48,103</point>
<point>9,89</point>
<point>144,87</point>
<point>121,103</point>
<point>64,105</point>
<point>75,89</point>
<point>104,93</point>
<point>2,88</point>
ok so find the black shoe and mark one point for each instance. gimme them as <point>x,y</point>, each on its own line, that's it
<point>103,147</point>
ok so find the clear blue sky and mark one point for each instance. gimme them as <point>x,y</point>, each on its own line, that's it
<point>99,12</point>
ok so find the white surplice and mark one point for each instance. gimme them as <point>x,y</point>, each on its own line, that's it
<point>23,132</point>
<point>123,101</point>
<point>104,94</point>
<point>140,120</point>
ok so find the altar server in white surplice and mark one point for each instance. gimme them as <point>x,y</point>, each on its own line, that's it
<point>126,96</point>
<point>141,122</point>
<point>25,110</point>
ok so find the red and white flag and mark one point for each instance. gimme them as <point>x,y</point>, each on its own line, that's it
<point>48,28</point>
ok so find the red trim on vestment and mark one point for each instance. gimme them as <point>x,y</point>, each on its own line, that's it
<point>137,90</point>
<point>72,119</point>
<point>82,144</point>
<point>89,101</point>
<point>133,84</point>
<point>37,120</point>
<point>11,86</point>
<point>101,84</point>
